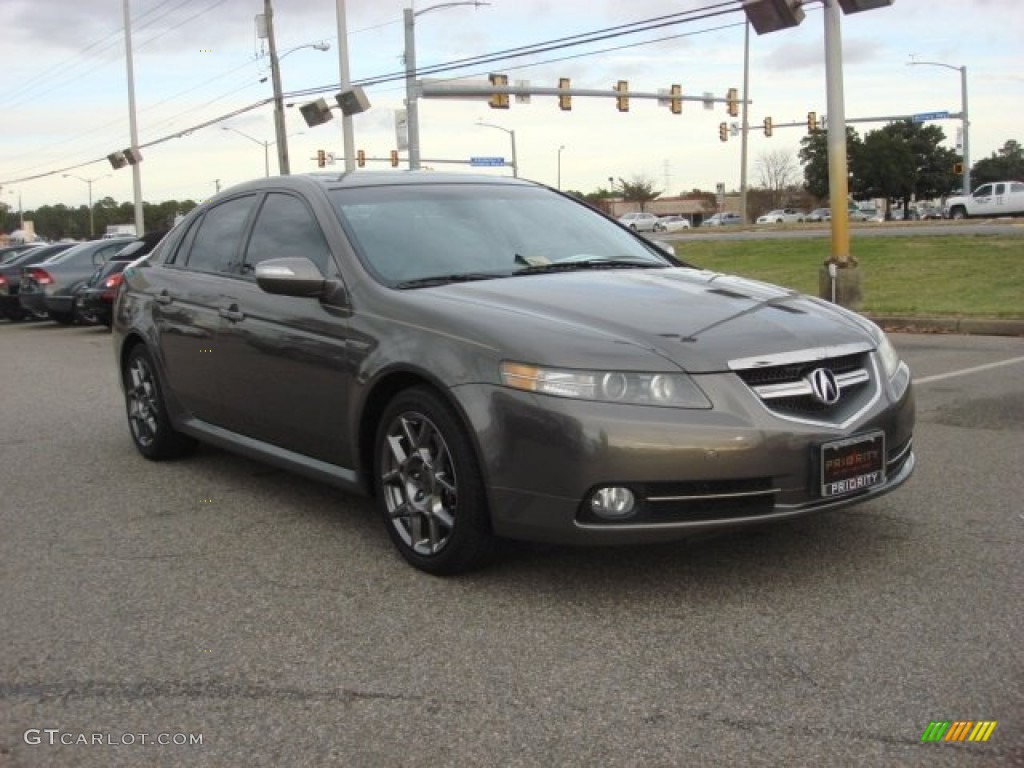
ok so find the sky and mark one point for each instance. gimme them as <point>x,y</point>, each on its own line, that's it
<point>65,101</point>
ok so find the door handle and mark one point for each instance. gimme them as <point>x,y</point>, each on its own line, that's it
<point>163,297</point>
<point>232,313</point>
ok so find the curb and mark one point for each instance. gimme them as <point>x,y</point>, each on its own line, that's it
<point>963,325</point>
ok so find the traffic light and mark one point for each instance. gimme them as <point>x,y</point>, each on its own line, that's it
<point>498,100</point>
<point>564,99</point>
<point>676,99</point>
<point>394,158</point>
<point>361,159</point>
<point>767,126</point>
<point>958,168</point>
<point>732,105</point>
<point>321,158</point>
<point>812,121</point>
<point>622,102</point>
<point>723,131</point>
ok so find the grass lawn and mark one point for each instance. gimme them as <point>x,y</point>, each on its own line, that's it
<point>958,275</point>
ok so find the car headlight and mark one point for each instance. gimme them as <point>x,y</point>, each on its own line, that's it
<point>671,390</point>
<point>896,371</point>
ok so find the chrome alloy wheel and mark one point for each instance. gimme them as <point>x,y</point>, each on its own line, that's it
<point>143,402</point>
<point>419,483</point>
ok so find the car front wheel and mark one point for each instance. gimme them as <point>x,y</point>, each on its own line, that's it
<point>429,487</point>
<point>151,428</point>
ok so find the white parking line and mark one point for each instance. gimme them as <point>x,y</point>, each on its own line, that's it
<point>965,371</point>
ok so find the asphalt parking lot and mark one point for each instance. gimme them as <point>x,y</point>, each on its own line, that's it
<point>270,616</point>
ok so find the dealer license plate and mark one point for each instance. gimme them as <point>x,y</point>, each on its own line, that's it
<point>854,464</point>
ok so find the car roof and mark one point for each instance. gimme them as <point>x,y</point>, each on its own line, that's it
<point>357,179</point>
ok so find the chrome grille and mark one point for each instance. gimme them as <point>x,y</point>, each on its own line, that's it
<point>785,388</point>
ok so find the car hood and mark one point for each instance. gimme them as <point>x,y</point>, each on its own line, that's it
<point>698,320</point>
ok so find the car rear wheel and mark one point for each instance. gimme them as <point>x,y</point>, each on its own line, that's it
<point>151,428</point>
<point>428,486</point>
<point>64,318</point>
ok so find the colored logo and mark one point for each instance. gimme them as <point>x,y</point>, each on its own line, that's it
<point>958,730</point>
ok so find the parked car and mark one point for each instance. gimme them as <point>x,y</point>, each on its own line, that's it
<point>10,277</point>
<point>9,252</point>
<point>820,214</point>
<point>671,224</point>
<point>507,363</point>
<point>929,211</point>
<point>638,221</point>
<point>47,288</point>
<point>722,219</point>
<point>999,198</point>
<point>782,216</point>
<point>95,297</point>
<point>901,214</point>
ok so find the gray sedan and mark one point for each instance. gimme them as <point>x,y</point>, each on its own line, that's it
<point>506,363</point>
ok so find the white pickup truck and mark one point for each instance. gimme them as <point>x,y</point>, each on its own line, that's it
<point>1000,198</point>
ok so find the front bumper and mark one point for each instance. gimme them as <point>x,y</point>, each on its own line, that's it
<point>32,301</point>
<point>691,470</point>
<point>91,301</point>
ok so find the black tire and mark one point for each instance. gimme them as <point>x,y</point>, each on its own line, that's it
<point>151,429</point>
<point>64,318</point>
<point>958,213</point>
<point>429,487</point>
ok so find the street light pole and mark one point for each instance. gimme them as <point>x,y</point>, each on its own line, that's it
<point>411,87</point>
<point>89,182</point>
<point>264,144</point>
<point>964,121</point>
<point>512,136</point>
<point>275,73</point>
<point>560,166</point>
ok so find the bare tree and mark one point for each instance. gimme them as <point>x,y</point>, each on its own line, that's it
<point>777,171</point>
<point>640,190</point>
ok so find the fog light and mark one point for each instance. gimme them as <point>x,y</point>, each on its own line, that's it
<point>613,502</point>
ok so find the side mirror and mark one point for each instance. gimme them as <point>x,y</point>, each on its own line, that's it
<point>292,276</point>
<point>664,246</point>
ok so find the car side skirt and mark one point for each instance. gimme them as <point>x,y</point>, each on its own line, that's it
<point>315,469</point>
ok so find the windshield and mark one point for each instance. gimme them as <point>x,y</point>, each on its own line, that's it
<point>408,234</point>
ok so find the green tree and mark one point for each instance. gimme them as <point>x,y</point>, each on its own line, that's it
<point>902,160</point>
<point>813,155</point>
<point>1005,165</point>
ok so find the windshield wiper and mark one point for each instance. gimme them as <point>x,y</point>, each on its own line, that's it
<point>596,262</point>
<point>458,277</point>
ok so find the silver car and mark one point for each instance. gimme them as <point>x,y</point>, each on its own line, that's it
<point>507,363</point>
<point>782,216</point>
<point>639,221</point>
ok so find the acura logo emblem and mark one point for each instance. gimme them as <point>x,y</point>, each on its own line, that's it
<point>824,386</point>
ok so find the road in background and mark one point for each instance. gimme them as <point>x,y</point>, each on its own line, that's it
<point>271,615</point>
<point>1006,227</point>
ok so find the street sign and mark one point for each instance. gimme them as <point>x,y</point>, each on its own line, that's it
<point>486,161</point>
<point>922,117</point>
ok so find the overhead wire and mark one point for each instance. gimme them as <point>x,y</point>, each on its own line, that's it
<point>707,12</point>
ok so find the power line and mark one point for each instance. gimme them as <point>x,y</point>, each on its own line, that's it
<point>489,58</point>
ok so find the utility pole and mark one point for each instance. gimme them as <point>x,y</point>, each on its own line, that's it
<point>743,138</point>
<point>140,226</point>
<point>275,73</point>
<point>348,138</point>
